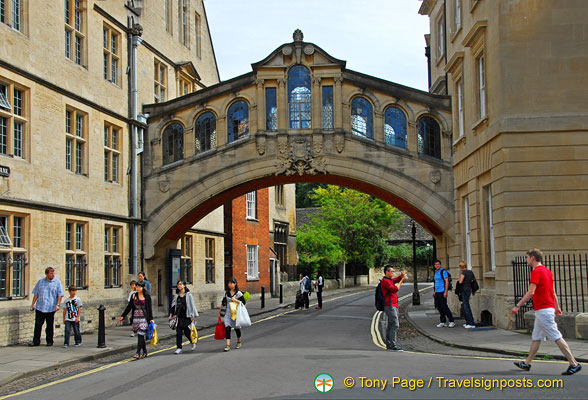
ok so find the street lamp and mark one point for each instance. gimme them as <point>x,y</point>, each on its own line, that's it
<point>416,296</point>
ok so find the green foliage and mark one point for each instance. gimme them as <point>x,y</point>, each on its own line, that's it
<point>355,224</point>
<point>303,192</point>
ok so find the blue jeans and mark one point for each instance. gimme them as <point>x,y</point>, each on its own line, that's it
<point>444,311</point>
<point>465,295</point>
<point>77,334</point>
<point>392,328</point>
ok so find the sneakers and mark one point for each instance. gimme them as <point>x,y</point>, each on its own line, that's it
<point>227,348</point>
<point>572,369</point>
<point>469,326</point>
<point>78,344</point>
<point>394,348</point>
<point>133,334</point>
<point>193,346</point>
<point>65,346</point>
<point>33,344</point>
<point>451,325</point>
<point>238,346</point>
<point>178,351</point>
<point>441,325</point>
<point>525,366</point>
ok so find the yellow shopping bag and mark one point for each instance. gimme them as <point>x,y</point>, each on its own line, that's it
<point>154,338</point>
<point>193,333</point>
<point>234,306</point>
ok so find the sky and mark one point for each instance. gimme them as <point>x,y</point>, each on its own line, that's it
<point>382,38</point>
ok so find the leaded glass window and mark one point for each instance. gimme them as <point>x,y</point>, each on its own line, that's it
<point>271,109</point>
<point>429,137</point>
<point>299,97</point>
<point>395,127</point>
<point>362,118</point>
<point>205,132</point>
<point>238,121</point>
<point>173,143</point>
<point>328,108</point>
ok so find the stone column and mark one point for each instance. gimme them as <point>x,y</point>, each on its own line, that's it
<point>379,127</point>
<point>282,104</point>
<point>260,110</point>
<point>411,137</point>
<point>316,104</point>
<point>338,103</point>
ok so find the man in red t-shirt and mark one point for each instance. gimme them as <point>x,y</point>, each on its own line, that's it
<point>389,289</point>
<point>546,307</point>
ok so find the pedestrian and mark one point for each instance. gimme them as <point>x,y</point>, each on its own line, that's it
<point>47,295</point>
<point>546,306</point>
<point>441,289</point>
<point>389,292</point>
<point>143,278</point>
<point>232,294</point>
<point>319,284</point>
<point>184,309</point>
<point>72,310</point>
<point>305,286</point>
<point>132,290</point>
<point>465,280</point>
<point>142,315</point>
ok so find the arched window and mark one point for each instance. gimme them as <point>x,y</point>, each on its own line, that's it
<point>429,137</point>
<point>362,118</point>
<point>205,130</point>
<point>299,97</point>
<point>395,127</point>
<point>173,143</point>
<point>238,121</point>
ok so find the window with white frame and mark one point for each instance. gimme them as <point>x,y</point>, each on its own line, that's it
<point>468,239</point>
<point>112,167</point>
<point>76,267</point>
<point>112,256</point>
<point>251,203</point>
<point>168,16</point>
<point>491,229</point>
<point>197,35</point>
<point>13,255</point>
<point>252,262</point>
<point>183,22</point>
<point>12,13</point>
<point>440,38</point>
<point>160,81</point>
<point>75,28</point>
<point>460,112</point>
<point>75,140</point>
<point>481,68</point>
<point>457,15</point>
<point>14,119</point>
<point>111,44</point>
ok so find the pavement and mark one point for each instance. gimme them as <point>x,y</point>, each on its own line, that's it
<point>425,317</point>
<point>20,361</point>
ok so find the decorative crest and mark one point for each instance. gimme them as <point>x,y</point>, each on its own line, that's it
<point>298,36</point>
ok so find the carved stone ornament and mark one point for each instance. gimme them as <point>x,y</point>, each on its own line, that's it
<point>298,36</point>
<point>287,50</point>
<point>282,144</point>
<point>260,143</point>
<point>308,49</point>
<point>300,160</point>
<point>339,140</point>
<point>317,143</point>
<point>164,185</point>
<point>435,176</point>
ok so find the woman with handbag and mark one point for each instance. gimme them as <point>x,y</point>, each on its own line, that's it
<point>235,297</point>
<point>465,280</point>
<point>140,305</point>
<point>183,313</point>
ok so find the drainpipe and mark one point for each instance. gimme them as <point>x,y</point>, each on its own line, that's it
<point>135,32</point>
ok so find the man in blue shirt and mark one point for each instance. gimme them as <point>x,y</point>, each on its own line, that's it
<point>441,288</point>
<point>47,296</point>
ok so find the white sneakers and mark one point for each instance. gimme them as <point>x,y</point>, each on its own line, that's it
<point>193,346</point>
<point>443,325</point>
<point>451,325</point>
<point>178,351</point>
<point>469,326</point>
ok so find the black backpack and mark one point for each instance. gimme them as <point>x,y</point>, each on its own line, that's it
<point>379,298</point>
<point>449,278</point>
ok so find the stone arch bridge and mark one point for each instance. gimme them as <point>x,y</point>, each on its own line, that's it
<point>299,115</point>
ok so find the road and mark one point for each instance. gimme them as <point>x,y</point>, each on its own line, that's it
<point>282,354</point>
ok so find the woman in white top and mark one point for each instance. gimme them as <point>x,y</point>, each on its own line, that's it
<point>232,294</point>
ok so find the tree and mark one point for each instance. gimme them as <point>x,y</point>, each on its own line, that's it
<point>303,191</point>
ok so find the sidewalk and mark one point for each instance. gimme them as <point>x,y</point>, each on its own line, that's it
<point>425,318</point>
<point>20,361</point>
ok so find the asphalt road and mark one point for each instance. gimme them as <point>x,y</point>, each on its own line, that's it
<point>283,354</point>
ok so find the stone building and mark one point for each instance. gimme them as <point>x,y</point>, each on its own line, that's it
<point>516,73</point>
<point>71,142</point>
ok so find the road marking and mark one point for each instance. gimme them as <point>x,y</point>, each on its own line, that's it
<point>105,367</point>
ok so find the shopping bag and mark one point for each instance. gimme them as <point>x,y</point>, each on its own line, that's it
<point>150,328</point>
<point>193,333</point>
<point>234,307</point>
<point>154,338</point>
<point>219,332</point>
<point>246,296</point>
<point>173,322</point>
<point>243,319</point>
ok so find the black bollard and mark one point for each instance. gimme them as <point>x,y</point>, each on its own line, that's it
<point>263,297</point>
<point>101,327</point>
<point>281,293</point>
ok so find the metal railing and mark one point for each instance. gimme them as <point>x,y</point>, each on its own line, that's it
<point>570,274</point>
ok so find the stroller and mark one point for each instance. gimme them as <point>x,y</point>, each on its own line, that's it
<point>299,300</point>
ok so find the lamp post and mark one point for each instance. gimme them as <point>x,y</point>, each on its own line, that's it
<point>416,296</point>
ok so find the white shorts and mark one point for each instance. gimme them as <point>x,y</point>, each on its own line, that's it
<point>545,325</point>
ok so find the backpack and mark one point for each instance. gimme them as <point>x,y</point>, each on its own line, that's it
<point>307,283</point>
<point>449,279</point>
<point>379,301</point>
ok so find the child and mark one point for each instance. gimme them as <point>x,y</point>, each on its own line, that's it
<point>72,309</point>
<point>133,291</point>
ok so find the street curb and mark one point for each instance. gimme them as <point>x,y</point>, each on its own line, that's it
<point>486,349</point>
<point>114,351</point>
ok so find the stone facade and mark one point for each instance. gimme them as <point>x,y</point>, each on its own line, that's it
<point>43,80</point>
<point>519,95</point>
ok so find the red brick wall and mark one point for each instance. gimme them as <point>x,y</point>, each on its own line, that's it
<point>247,232</point>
